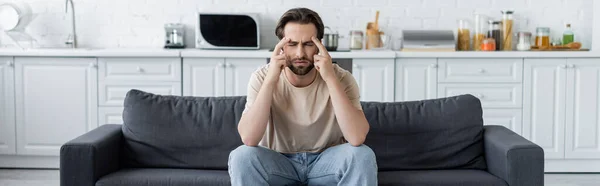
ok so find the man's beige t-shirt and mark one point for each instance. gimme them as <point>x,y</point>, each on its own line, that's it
<point>302,119</point>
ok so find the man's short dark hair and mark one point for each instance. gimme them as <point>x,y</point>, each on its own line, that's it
<point>301,16</point>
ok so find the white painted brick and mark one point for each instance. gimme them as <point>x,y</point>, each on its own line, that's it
<point>406,3</point>
<point>509,4</point>
<point>440,3</point>
<point>338,3</point>
<point>371,3</point>
<point>135,23</point>
<point>474,3</point>
<point>302,3</point>
<point>423,12</point>
<point>263,2</point>
<point>459,13</point>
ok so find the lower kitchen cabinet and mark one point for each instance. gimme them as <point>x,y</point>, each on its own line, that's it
<point>218,76</point>
<point>509,118</point>
<point>56,101</point>
<point>416,79</point>
<point>375,78</point>
<point>110,115</point>
<point>7,107</point>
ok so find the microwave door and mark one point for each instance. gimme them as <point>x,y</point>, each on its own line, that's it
<point>229,31</point>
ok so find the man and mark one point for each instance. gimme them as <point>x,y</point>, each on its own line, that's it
<point>303,122</point>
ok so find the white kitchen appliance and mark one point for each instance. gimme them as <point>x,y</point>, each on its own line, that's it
<point>428,40</point>
<point>227,31</point>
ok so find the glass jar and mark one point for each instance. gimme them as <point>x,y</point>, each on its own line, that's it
<point>495,33</point>
<point>464,36</point>
<point>542,38</point>
<point>356,40</point>
<point>488,44</point>
<point>524,41</point>
<point>507,30</point>
<point>479,31</point>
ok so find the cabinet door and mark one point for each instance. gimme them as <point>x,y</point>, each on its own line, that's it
<point>238,72</point>
<point>583,102</point>
<point>110,115</point>
<point>544,105</point>
<point>416,79</point>
<point>7,106</point>
<point>375,78</point>
<point>56,102</point>
<point>509,118</point>
<point>203,77</point>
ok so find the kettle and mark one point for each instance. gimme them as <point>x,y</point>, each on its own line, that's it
<point>330,40</point>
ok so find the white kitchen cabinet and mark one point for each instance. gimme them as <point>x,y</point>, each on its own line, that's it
<point>505,95</point>
<point>483,70</point>
<point>203,76</point>
<point>237,74</point>
<point>544,104</point>
<point>218,76</point>
<point>375,78</point>
<point>509,118</point>
<point>56,101</point>
<point>110,115</point>
<point>7,106</point>
<point>113,94</point>
<point>416,79</point>
<point>582,140</point>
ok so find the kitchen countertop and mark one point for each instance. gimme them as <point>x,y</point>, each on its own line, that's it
<point>265,53</point>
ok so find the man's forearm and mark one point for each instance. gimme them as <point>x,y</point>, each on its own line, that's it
<point>352,121</point>
<point>253,123</point>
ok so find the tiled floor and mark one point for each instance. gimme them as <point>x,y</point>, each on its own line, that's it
<point>20,177</point>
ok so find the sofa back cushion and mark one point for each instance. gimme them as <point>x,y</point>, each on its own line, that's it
<point>180,132</point>
<point>445,133</point>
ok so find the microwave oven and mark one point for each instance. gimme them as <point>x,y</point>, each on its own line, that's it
<point>228,31</point>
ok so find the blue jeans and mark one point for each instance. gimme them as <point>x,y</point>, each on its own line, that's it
<point>338,165</point>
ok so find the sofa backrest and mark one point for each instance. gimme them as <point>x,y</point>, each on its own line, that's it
<point>444,133</point>
<point>180,132</point>
<point>200,132</point>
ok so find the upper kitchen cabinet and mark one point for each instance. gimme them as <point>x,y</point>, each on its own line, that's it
<point>416,79</point>
<point>375,78</point>
<point>218,76</point>
<point>583,106</point>
<point>544,104</point>
<point>56,101</point>
<point>7,106</point>
<point>483,70</point>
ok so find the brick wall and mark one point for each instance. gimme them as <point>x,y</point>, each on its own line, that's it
<point>139,23</point>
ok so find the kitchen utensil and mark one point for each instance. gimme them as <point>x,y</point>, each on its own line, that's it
<point>330,40</point>
<point>174,35</point>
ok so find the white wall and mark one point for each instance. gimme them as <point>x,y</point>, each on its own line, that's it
<point>139,23</point>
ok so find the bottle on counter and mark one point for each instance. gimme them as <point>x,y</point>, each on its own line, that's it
<point>542,38</point>
<point>479,31</point>
<point>524,41</point>
<point>464,36</point>
<point>507,30</point>
<point>495,33</point>
<point>568,35</point>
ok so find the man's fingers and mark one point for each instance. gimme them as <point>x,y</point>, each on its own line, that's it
<point>322,48</point>
<point>279,46</point>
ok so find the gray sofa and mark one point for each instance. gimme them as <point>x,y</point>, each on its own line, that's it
<point>174,140</point>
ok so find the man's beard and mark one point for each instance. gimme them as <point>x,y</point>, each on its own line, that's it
<point>302,70</point>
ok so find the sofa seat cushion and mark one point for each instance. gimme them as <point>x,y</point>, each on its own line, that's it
<point>162,131</point>
<point>435,134</point>
<point>165,177</point>
<point>462,177</point>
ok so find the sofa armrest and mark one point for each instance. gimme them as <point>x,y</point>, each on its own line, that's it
<point>513,158</point>
<point>90,156</point>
